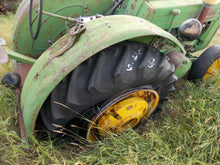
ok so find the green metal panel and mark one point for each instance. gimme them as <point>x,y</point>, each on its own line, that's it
<point>51,28</point>
<point>207,35</point>
<point>20,57</point>
<point>159,12</point>
<point>183,68</point>
<point>49,70</point>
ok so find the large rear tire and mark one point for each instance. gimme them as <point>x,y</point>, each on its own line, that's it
<point>120,68</point>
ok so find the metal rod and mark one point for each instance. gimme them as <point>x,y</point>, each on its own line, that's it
<point>61,17</point>
<point>203,14</point>
<point>175,12</point>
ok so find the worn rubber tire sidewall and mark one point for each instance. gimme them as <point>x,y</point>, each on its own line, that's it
<point>202,64</point>
<point>162,81</point>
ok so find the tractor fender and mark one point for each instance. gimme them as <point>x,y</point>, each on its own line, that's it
<point>51,69</point>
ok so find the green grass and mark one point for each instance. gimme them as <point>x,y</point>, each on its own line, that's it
<point>186,131</point>
<point>6,23</point>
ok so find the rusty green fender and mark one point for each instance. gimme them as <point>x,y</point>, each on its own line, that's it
<point>49,70</point>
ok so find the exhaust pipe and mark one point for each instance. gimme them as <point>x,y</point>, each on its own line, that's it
<point>206,9</point>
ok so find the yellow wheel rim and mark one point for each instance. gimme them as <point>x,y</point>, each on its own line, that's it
<point>123,112</point>
<point>213,70</point>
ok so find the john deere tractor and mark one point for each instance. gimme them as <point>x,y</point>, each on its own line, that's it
<point>100,66</point>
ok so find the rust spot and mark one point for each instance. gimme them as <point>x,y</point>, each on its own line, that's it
<point>204,14</point>
<point>64,69</point>
<point>129,107</point>
<point>36,76</point>
<point>55,79</point>
<point>87,10</point>
<point>22,69</point>
<point>133,6</point>
<point>151,10</point>
<point>112,128</point>
<point>20,116</point>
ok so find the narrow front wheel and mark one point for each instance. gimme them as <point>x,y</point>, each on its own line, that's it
<point>207,65</point>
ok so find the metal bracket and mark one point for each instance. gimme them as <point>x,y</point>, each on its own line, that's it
<point>88,18</point>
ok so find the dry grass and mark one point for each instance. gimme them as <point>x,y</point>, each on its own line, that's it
<point>6,23</point>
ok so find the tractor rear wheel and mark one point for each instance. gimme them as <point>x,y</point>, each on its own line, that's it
<point>125,75</point>
<point>207,65</point>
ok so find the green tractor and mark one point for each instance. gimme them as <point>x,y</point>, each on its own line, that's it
<point>99,66</point>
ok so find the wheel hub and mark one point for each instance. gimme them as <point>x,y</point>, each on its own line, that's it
<point>213,70</point>
<point>123,112</point>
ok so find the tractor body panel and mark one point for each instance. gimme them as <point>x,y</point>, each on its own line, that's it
<point>51,28</point>
<point>163,14</point>
<point>53,66</point>
<point>160,12</point>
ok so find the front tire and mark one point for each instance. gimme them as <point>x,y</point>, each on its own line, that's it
<point>207,65</point>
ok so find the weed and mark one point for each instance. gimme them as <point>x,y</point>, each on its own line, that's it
<point>6,23</point>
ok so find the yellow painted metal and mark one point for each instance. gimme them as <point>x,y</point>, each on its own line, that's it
<point>211,2</point>
<point>124,114</point>
<point>213,70</point>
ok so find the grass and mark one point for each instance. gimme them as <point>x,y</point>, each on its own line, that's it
<point>6,23</point>
<point>186,131</point>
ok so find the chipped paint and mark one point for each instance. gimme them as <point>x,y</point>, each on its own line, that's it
<point>52,28</point>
